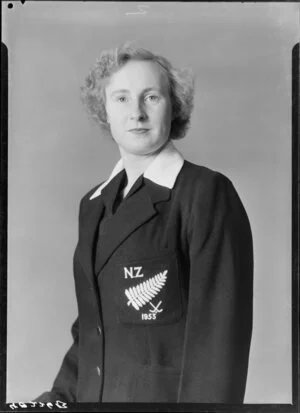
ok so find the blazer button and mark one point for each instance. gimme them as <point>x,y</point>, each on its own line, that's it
<point>98,370</point>
<point>99,330</point>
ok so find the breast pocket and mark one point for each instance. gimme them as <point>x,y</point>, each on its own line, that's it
<point>149,291</point>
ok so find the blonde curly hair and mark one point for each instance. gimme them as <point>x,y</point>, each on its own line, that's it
<point>181,86</point>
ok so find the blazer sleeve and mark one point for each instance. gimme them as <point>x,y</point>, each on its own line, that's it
<point>65,383</point>
<point>219,313</point>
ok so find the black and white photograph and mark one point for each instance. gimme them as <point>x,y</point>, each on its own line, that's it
<point>150,227</point>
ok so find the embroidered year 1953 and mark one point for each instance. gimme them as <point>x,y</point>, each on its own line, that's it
<point>143,296</point>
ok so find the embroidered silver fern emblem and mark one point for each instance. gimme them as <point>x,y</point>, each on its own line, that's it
<point>142,293</point>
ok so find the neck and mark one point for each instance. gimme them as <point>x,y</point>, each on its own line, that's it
<point>136,165</point>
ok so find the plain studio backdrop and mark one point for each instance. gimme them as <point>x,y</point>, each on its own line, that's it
<point>241,126</point>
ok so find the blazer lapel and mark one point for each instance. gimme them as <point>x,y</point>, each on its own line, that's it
<point>90,223</point>
<point>135,211</point>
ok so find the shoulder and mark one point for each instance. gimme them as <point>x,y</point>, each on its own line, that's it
<point>201,180</point>
<point>204,191</point>
<point>90,192</point>
<point>210,198</point>
<point>85,199</point>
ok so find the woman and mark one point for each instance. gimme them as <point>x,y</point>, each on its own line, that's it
<point>163,267</point>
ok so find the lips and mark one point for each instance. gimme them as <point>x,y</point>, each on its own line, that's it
<point>138,130</point>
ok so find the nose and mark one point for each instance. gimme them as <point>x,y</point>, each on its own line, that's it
<point>138,111</point>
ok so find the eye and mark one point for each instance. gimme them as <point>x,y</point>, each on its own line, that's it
<point>153,98</point>
<point>121,99</point>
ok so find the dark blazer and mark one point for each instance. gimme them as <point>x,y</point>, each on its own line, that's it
<point>166,316</point>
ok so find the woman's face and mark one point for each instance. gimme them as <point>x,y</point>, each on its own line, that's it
<point>138,107</point>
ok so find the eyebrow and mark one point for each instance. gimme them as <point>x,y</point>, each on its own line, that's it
<point>148,89</point>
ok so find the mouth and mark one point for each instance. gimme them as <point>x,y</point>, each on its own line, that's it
<point>139,130</point>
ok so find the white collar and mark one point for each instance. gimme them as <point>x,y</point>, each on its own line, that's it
<point>163,170</point>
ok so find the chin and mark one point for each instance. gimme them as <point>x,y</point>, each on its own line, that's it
<point>146,149</point>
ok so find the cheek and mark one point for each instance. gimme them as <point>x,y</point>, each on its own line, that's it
<point>164,119</point>
<point>116,118</point>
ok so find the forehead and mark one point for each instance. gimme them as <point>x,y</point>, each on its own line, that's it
<point>137,75</point>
